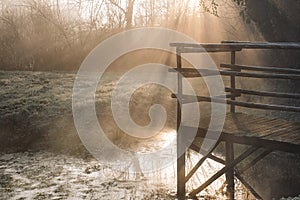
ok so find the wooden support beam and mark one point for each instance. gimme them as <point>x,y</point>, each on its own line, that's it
<point>223,170</point>
<point>254,161</point>
<point>180,151</point>
<point>196,167</point>
<point>240,171</point>
<point>217,159</point>
<point>232,81</point>
<point>210,156</point>
<point>230,173</point>
<point>180,171</point>
<point>249,187</point>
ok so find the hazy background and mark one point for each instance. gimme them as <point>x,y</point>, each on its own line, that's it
<point>58,34</point>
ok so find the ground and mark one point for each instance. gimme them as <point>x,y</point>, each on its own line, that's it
<point>42,157</point>
<point>44,175</point>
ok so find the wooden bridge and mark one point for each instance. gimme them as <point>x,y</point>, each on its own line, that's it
<point>257,132</point>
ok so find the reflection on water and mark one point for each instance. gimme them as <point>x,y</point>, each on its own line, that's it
<point>167,176</point>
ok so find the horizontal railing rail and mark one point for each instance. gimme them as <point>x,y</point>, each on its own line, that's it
<point>239,92</point>
<point>261,68</point>
<point>192,72</point>
<point>238,46</point>
<point>192,99</point>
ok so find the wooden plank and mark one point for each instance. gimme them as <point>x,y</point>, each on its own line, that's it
<point>286,136</point>
<point>261,142</point>
<point>275,129</point>
<point>268,128</point>
<point>297,141</point>
<point>263,93</point>
<point>261,68</point>
<point>260,129</point>
<point>241,125</point>
<point>251,130</point>
<point>294,139</point>
<point>253,141</point>
<point>244,125</point>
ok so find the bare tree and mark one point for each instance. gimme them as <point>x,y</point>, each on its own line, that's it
<point>127,10</point>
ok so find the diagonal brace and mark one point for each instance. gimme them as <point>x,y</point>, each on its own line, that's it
<point>224,170</point>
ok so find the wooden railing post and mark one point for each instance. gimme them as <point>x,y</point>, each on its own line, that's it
<point>180,158</point>
<point>232,81</point>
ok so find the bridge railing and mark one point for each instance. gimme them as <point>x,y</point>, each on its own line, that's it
<point>232,97</point>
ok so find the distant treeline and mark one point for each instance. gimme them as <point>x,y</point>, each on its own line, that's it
<point>58,34</point>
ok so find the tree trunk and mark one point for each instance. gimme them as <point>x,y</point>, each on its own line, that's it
<point>129,14</point>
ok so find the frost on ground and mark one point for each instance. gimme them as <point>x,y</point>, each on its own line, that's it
<point>36,109</point>
<point>36,119</point>
<point>44,175</point>
<point>36,116</point>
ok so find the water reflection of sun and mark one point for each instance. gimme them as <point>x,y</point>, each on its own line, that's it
<point>162,140</point>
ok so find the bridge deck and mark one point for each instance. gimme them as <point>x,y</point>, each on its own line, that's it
<point>272,133</point>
